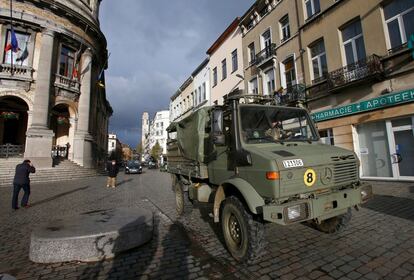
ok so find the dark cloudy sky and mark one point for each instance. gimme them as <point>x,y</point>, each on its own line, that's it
<point>155,45</point>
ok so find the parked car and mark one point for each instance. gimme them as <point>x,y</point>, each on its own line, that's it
<point>152,165</point>
<point>133,167</point>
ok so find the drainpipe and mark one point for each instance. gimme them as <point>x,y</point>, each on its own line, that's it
<point>300,50</point>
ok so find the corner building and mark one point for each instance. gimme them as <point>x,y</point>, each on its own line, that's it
<point>49,97</point>
<point>350,65</point>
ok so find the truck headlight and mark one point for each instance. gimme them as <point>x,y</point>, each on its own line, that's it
<point>366,193</point>
<point>296,212</point>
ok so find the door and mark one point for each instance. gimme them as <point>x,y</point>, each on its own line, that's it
<point>402,147</point>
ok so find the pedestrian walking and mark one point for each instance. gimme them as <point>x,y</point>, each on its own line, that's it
<point>22,181</point>
<point>112,169</point>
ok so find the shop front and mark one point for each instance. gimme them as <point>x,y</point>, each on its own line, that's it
<point>379,130</point>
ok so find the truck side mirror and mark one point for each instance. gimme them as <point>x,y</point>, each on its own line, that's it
<point>217,122</point>
<point>218,135</point>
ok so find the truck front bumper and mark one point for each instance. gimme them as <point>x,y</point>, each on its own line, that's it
<point>321,207</point>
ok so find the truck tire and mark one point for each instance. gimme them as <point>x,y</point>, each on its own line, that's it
<point>182,202</point>
<point>243,235</point>
<point>335,224</point>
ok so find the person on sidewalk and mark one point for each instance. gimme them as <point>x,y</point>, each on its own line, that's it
<point>22,181</point>
<point>112,169</point>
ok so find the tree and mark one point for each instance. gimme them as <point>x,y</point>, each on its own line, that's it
<point>156,151</point>
<point>139,148</point>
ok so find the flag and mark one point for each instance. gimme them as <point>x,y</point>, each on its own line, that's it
<point>13,45</point>
<point>75,71</point>
<point>24,55</point>
<point>101,82</point>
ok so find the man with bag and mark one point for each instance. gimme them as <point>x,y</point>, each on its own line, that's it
<point>22,181</point>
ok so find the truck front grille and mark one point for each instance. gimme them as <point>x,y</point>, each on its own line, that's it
<point>345,172</point>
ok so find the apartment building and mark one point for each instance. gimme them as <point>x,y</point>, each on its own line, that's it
<point>349,63</point>
<point>226,63</point>
<point>182,102</point>
<point>271,49</point>
<point>201,85</point>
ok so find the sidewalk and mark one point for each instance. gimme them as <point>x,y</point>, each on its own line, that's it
<point>392,188</point>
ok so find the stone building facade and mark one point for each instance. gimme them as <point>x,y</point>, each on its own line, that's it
<point>50,82</point>
<point>349,63</point>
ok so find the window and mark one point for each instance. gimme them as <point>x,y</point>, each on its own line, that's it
<point>327,136</point>
<point>353,42</point>
<point>269,82</point>
<point>199,95</point>
<point>285,28</point>
<point>214,76</point>
<point>290,72</point>
<point>252,53</point>
<point>113,144</point>
<point>399,17</point>
<point>66,63</point>
<point>224,69</point>
<point>318,56</point>
<point>192,99</point>
<point>253,86</point>
<point>204,91</point>
<point>266,39</point>
<point>312,7</point>
<point>20,56</point>
<point>234,62</point>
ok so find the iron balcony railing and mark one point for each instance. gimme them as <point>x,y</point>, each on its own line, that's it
<point>266,54</point>
<point>291,95</point>
<point>9,150</point>
<point>398,49</point>
<point>360,70</point>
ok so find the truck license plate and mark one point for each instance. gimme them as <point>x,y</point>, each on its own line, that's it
<point>292,163</point>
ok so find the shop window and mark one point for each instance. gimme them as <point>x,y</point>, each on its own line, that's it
<point>399,18</point>
<point>327,136</point>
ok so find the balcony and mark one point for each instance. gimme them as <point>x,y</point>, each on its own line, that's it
<point>359,71</point>
<point>16,72</point>
<point>265,55</point>
<point>67,88</point>
<point>292,95</point>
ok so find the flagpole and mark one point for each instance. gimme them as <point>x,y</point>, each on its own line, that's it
<point>11,31</point>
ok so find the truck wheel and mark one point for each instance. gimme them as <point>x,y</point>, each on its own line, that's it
<point>335,224</point>
<point>243,235</point>
<point>182,203</point>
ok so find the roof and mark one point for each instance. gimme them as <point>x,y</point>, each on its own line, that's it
<point>200,67</point>
<point>224,36</point>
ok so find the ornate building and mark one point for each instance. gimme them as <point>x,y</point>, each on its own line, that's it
<point>50,99</point>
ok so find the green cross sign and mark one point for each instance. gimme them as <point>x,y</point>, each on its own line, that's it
<point>411,44</point>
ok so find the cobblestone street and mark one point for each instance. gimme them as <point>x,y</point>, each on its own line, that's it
<point>378,244</point>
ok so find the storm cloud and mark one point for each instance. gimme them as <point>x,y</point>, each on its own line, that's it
<point>154,46</point>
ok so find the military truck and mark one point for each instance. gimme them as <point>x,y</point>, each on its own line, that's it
<point>258,163</point>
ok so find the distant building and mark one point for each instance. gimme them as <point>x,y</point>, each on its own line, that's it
<point>145,125</point>
<point>114,146</point>
<point>158,132</point>
<point>182,102</point>
<point>49,96</point>
<point>226,63</point>
<point>201,85</point>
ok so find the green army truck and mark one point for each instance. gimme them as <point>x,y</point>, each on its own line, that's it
<point>258,163</point>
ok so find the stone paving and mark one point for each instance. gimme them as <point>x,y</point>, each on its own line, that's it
<point>378,244</point>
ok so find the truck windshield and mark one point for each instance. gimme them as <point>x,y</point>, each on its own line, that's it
<point>275,124</point>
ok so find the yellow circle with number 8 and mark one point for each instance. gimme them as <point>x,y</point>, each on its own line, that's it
<point>310,177</point>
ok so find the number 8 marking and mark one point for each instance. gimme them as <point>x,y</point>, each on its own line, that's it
<point>310,177</point>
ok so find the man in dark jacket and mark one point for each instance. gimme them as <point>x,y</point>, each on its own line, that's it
<point>22,180</point>
<point>112,169</point>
